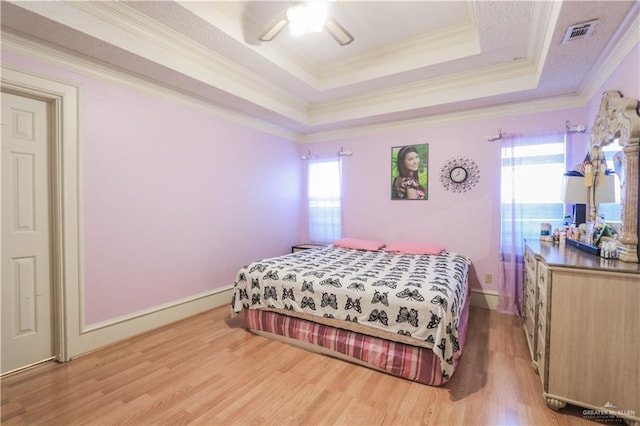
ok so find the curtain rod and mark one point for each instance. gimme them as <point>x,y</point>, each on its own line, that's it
<point>341,153</point>
<point>576,128</point>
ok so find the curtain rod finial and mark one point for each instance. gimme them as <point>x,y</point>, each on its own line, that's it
<point>496,137</point>
<point>344,153</point>
<point>576,128</point>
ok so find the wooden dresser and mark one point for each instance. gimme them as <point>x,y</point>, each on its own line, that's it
<point>582,323</point>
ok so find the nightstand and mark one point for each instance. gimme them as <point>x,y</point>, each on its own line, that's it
<point>301,247</point>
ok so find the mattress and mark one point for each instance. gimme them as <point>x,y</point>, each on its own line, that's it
<point>413,300</point>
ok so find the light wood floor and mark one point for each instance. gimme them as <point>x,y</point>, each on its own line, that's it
<point>208,370</point>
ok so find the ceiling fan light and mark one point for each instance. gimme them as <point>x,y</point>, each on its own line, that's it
<point>308,17</point>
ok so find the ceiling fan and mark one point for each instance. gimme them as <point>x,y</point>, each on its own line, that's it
<point>305,17</point>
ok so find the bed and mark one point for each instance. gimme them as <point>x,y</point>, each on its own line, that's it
<point>404,314</point>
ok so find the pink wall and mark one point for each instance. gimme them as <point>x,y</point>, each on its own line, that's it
<point>174,201</point>
<point>468,222</point>
<point>626,79</point>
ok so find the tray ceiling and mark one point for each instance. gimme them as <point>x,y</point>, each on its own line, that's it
<point>409,59</point>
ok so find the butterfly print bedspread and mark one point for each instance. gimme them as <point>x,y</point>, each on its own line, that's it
<point>420,296</point>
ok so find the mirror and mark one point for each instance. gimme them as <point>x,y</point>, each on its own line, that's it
<point>618,122</point>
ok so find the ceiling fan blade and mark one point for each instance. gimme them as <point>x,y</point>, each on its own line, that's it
<point>275,28</point>
<point>338,32</point>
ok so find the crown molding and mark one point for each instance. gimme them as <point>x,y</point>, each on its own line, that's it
<point>613,55</point>
<point>544,15</point>
<point>18,45</point>
<point>455,42</point>
<point>493,80</point>
<point>15,44</point>
<point>162,45</point>
<point>227,17</point>
<point>449,44</point>
<point>506,110</point>
<point>521,74</point>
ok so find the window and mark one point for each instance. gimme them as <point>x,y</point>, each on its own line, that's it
<point>532,170</point>
<point>324,194</point>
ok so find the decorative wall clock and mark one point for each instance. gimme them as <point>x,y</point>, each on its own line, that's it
<point>459,174</point>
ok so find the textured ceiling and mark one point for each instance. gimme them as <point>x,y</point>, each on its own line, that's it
<point>409,59</point>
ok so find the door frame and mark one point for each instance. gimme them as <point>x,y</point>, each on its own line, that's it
<point>64,185</point>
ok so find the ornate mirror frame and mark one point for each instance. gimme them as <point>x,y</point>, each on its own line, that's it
<point>618,122</point>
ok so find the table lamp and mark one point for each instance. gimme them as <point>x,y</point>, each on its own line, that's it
<point>574,191</point>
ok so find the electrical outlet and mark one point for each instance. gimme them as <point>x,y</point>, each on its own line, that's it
<point>488,278</point>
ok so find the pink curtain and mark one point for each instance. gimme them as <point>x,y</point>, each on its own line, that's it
<point>511,267</point>
<point>531,177</point>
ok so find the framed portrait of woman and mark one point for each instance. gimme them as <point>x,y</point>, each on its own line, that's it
<point>409,172</point>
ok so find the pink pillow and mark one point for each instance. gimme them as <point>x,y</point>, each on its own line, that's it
<point>414,248</point>
<point>359,244</point>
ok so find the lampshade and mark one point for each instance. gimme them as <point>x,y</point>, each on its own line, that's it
<point>574,190</point>
<point>606,189</point>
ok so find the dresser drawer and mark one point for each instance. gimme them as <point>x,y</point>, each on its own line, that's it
<point>542,328</point>
<point>543,276</point>
<point>542,299</point>
<point>530,304</point>
<point>541,358</point>
<point>530,328</point>
<point>530,333</point>
<point>530,263</point>
<point>530,287</point>
<point>542,302</point>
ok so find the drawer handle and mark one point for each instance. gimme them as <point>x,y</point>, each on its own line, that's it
<point>540,325</point>
<point>538,355</point>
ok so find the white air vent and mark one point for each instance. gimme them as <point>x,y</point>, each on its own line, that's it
<point>579,31</point>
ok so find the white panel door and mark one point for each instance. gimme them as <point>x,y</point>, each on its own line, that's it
<point>27,325</point>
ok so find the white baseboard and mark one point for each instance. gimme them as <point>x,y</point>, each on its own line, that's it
<point>109,332</point>
<point>487,299</point>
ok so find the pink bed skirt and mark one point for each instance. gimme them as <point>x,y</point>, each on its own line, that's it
<point>410,362</point>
